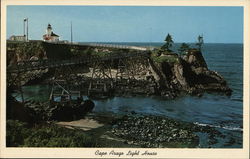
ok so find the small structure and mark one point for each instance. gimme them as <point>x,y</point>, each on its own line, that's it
<point>50,36</point>
<point>61,94</point>
<point>18,38</point>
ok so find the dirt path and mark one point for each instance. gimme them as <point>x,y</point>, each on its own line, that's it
<point>84,124</point>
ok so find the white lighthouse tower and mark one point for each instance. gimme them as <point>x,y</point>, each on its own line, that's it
<point>50,36</point>
<point>49,30</point>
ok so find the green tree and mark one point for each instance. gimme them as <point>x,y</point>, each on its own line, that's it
<point>183,48</point>
<point>169,43</point>
<point>200,42</point>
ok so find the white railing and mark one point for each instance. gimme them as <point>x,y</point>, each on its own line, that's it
<point>117,46</point>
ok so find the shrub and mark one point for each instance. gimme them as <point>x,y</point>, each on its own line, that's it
<point>15,133</point>
<point>47,135</point>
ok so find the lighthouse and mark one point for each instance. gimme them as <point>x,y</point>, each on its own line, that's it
<point>49,29</point>
<point>50,36</point>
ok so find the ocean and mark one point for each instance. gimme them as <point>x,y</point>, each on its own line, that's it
<point>219,111</point>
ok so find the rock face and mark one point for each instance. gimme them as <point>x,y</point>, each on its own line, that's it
<point>191,74</point>
<point>20,51</point>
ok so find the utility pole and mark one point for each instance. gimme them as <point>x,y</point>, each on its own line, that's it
<point>27,30</point>
<point>24,27</point>
<point>71,34</point>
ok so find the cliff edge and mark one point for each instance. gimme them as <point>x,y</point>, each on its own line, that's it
<point>190,74</point>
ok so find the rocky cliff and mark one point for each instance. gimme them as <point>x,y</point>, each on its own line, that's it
<point>171,73</point>
<point>191,74</point>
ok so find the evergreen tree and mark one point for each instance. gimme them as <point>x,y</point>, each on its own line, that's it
<point>200,42</point>
<point>169,43</point>
<point>183,48</point>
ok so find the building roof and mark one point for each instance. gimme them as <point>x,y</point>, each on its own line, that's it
<point>53,34</point>
<point>17,36</point>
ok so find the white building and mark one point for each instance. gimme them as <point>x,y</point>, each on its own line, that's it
<point>18,38</point>
<point>50,36</point>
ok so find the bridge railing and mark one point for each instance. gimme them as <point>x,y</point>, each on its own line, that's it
<point>117,46</point>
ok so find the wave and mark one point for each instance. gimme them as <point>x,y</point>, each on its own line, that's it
<point>218,126</point>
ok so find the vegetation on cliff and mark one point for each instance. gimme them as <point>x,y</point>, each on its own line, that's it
<point>168,43</point>
<point>188,71</point>
<point>166,54</point>
<point>170,58</point>
<point>183,49</point>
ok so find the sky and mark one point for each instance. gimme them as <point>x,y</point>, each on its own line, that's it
<point>130,23</point>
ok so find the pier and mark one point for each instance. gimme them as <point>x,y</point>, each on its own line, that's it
<point>101,80</point>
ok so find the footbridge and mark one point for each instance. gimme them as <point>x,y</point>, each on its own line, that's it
<point>100,81</point>
<point>117,46</point>
<point>31,65</point>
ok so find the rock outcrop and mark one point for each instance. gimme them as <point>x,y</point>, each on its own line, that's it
<point>189,74</point>
<point>200,77</point>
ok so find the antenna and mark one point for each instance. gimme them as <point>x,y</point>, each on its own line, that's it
<point>24,27</point>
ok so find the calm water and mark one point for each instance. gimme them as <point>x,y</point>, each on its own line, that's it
<point>224,113</point>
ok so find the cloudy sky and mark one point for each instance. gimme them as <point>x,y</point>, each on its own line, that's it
<point>129,24</point>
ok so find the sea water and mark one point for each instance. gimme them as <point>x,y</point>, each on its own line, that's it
<point>219,111</point>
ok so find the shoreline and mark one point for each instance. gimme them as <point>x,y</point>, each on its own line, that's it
<point>131,130</point>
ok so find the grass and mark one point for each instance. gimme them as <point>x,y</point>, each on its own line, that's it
<point>169,59</point>
<point>164,59</point>
<point>100,54</point>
